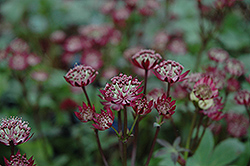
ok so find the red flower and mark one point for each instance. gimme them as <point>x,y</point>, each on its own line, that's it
<point>142,106</point>
<point>170,71</point>
<point>73,44</point>
<point>81,75</point>
<point>122,91</point>
<point>19,61</point>
<point>146,59</point>
<point>234,67</point>
<point>86,113</point>
<point>165,106</point>
<point>214,112</point>
<point>19,160</point>
<point>92,58</point>
<point>243,97</point>
<point>218,55</point>
<point>104,120</point>
<point>18,46</point>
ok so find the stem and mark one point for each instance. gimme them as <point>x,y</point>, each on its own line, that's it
<point>124,142</point>
<point>197,131</point>
<point>146,80</point>
<point>168,90</point>
<point>86,95</point>
<point>12,147</point>
<point>115,131</point>
<point>190,134</point>
<point>248,112</point>
<point>119,131</point>
<point>153,144</point>
<point>135,122</point>
<point>100,148</point>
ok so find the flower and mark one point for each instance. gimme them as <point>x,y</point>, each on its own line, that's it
<point>128,53</point>
<point>177,46</point>
<point>104,120</point>
<point>73,44</point>
<point>165,106</point>
<point>40,76</point>
<point>122,91</point>
<point>18,46</point>
<point>237,124</point>
<point>19,160</point>
<point>81,75</point>
<point>57,36</point>
<point>146,59</point>
<point>120,16</point>
<point>233,85</point>
<point>68,104</point>
<point>170,71</point>
<point>242,97</point>
<point>14,130</point>
<point>92,58</point>
<point>108,7</point>
<point>86,113</point>
<point>18,61</point>
<point>33,59</point>
<point>142,106</point>
<point>218,55</point>
<point>160,41</point>
<point>234,67</point>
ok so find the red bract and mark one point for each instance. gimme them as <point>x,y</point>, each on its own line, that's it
<point>81,75</point>
<point>170,71</point>
<point>122,91</point>
<point>86,113</point>
<point>165,106</point>
<point>104,120</point>
<point>218,55</point>
<point>146,59</point>
<point>234,67</point>
<point>14,130</point>
<point>142,106</point>
<point>19,160</point>
<point>92,58</point>
<point>242,97</point>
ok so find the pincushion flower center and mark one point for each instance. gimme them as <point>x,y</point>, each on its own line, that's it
<point>204,91</point>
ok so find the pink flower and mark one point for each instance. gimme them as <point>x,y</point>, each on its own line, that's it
<point>92,58</point>
<point>237,124</point>
<point>142,106</point>
<point>19,160</point>
<point>108,7</point>
<point>128,53</point>
<point>177,46</point>
<point>122,91</point>
<point>14,130</point>
<point>233,85</point>
<point>180,92</point>
<point>3,54</point>
<point>40,76</point>
<point>217,75</point>
<point>146,59</point>
<point>19,61</point>
<point>170,71</point>
<point>149,8</point>
<point>81,75</point>
<point>155,93</point>
<point>190,80</point>
<point>242,97</point>
<point>104,120</point>
<point>86,113</point>
<point>68,58</point>
<point>234,67</point>
<point>109,72</point>
<point>218,55</point>
<point>18,46</point>
<point>214,112</point>
<point>58,36</point>
<point>160,41</point>
<point>73,44</point>
<point>120,16</point>
<point>165,106</point>
<point>33,59</point>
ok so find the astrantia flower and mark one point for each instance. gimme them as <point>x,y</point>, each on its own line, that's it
<point>217,75</point>
<point>214,112</point>
<point>18,46</point>
<point>92,58</point>
<point>170,71</point>
<point>19,160</point>
<point>123,90</point>
<point>155,93</point>
<point>14,130</point>
<point>234,67</point>
<point>160,41</point>
<point>242,97</point>
<point>142,106</point>
<point>146,59</point>
<point>120,16</point>
<point>108,7</point>
<point>165,106</point>
<point>104,120</point>
<point>218,55</point>
<point>18,61</point>
<point>58,36</point>
<point>81,75</point>
<point>33,59</point>
<point>40,76</point>
<point>86,113</point>
<point>128,53</point>
<point>177,46</point>
<point>73,44</point>
<point>233,85</point>
<point>237,124</point>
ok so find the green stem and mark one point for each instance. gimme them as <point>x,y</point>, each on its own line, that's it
<point>86,95</point>
<point>124,142</point>
<point>115,131</point>
<point>100,147</point>
<point>12,147</point>
<point>132,128</point>
<point>168,90</point>
<point>198,129</point>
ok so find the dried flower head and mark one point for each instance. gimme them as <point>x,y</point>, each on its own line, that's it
<point>218,55</point>
<point>146,59</point>
<point>242,97</point>
<point>165,106</point>
<point>86,113</point>
<point>19,160</point>
<point>14,130</point>
<point>81,75</point>
<point>142,106</point>
<point>170,71</point>
<point>234,67</point>
<point>104,120</point>
<point>123,90</point>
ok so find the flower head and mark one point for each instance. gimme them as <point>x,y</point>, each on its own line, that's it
<point>86,113</point>
<point>170,71</point>
<point>123,90</point>
<point>234,67</point>
<point>14,130</point>
<point>242,97</point>
<point>81,75</point>
<point>73,44</point>
<point>104,120</point>
<point>146,59</point>
<point>218,55</point>
<point>177,46</point>
<point>58,36</point>
<point>92,58</point>
<point>19,160</point>
<point>142,106</point>
<point>19,61</point>
<point>18,46</point>
<point>165,106</point>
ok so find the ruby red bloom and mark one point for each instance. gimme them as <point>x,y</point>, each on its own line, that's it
<point>218,55</point>
<point>73,44</point>
<point>19,160</point>
<point>242,97</point>
<point>18,46</point>
<point>19,61</point>
<point>92,58</point>
<point>146,59</point>
<point>81,75</point>
<point>104,120</point>
<point>122,91</point>
<point>142,106</point>
<point>86,113</point>
<point>170,71</point>
<point>14,130</point>
<point>234,67</point>
<point>165,106</point>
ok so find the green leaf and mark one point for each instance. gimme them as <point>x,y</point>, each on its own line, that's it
<point>226,152</point>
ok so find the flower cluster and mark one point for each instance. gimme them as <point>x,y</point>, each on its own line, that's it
<point>86,113</point>
<point>142,106</point>
<point>104,120</point>
<point>19,160</point>
<point>165,106</point>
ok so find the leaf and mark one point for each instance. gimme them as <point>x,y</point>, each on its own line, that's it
<point>164,143</point>
<point>226,152</point>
